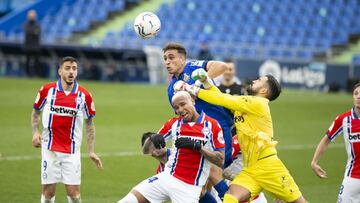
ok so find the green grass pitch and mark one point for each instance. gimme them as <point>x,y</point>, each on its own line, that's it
<point>124,111</point>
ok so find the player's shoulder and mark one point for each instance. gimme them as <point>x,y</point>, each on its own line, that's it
<point>211,120</point>
<point>343,115</point>
<point>84,90</point>
<point>48,86</point>
<point>195,64</point>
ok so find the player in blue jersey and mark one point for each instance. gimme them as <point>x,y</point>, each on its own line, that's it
<point>176,65</point>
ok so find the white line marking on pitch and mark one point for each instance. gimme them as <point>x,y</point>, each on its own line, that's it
<point>125,154</point>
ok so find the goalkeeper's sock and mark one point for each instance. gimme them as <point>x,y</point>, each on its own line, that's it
<point>221,188</point>
<point>74,199</point>
<point>207,198</point>
<point>44,200</point>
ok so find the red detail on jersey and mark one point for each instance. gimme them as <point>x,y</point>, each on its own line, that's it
<point>63,115</point>
<point>235,147</point>
<point>348,124</point>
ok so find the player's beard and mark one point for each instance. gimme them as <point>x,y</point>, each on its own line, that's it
<point>250,90</point>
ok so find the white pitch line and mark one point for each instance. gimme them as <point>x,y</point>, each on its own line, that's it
<point>126,154</point>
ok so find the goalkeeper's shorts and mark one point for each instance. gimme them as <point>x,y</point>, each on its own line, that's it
<point>271,175</point>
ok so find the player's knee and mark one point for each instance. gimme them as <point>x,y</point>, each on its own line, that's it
<point>48,199</point>
<point>129,198</point>
<point>74,199</point>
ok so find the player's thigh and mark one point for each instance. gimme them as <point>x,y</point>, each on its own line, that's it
<point>50,167</point>
<point>183,192</point>
<point>71,168</point>
<point>349,190</point>
<point>155,189</point>
<point>273,177</point>
<point>245,181</point>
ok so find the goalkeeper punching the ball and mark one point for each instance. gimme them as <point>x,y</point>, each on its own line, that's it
<point>263,170</point>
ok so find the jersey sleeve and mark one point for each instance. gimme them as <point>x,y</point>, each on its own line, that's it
<point>40,99</point>
<point>89,107</point>
<point>235,147</point>
<point>335,129</point>
<point>166,129</point>
<point>199,64</point>
<point>218,142</point>
<point>235,103</point>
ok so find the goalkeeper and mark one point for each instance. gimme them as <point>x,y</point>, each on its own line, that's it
<point>263,170</point>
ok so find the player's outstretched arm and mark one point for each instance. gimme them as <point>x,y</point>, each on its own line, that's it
<point>216,68</point>
<point>35,122</point>
<point>318,153</point>
<point>214,96</point>
<point>90,139</point>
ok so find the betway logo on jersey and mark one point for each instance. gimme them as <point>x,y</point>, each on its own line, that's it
<point>63,111</point>
<point>354,137</point>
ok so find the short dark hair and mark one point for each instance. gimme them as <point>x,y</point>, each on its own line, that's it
<point>68,59</point>
<point>145,136</point>
<point>172,45</point>
<point>274,87</point>
<point>356,86</point>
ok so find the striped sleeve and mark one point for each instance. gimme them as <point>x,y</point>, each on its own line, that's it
<point>336,128</point>
<point>41,98</point>
<point>89,106</point>
<point>166,129</point>
<point>218,138</point>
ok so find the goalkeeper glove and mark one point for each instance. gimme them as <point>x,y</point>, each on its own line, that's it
<point>186,142</point>
<point>157,140</point>
<point>202,76</point>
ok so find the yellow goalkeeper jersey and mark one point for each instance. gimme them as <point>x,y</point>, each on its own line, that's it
<point>252,120</point>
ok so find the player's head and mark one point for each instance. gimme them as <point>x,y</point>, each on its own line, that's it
<point>265,86</point>
<point>148,146</point>
<point>184,106</point>
<point>230,72</point>
<point>174,58</point>
<point>31,15</point>
<point>68,69</point>
<point>356,95</point>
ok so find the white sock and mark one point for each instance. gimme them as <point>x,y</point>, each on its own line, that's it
<point>129,198</point>
<point>43,200</point>
<point>74,200</point>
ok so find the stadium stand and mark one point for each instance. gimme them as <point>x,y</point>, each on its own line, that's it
<point>290,30</point>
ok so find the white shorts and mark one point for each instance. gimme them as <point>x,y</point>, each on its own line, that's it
<point>349,190</point>
<point>60,167</point>
<point>163,187</point>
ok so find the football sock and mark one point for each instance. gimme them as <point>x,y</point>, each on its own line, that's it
<point>129,198</point>
<point>230,199</point>
<point>221,188</point>
<point>207,198</point>
<point>44,200</point>
<point>74,200</point>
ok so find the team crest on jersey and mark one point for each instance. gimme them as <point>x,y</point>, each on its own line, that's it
<point>186,77</point>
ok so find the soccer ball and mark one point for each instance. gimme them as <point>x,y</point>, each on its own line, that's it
<point>147,25</point>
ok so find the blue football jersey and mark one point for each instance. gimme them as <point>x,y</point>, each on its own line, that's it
<point>214,111</point>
